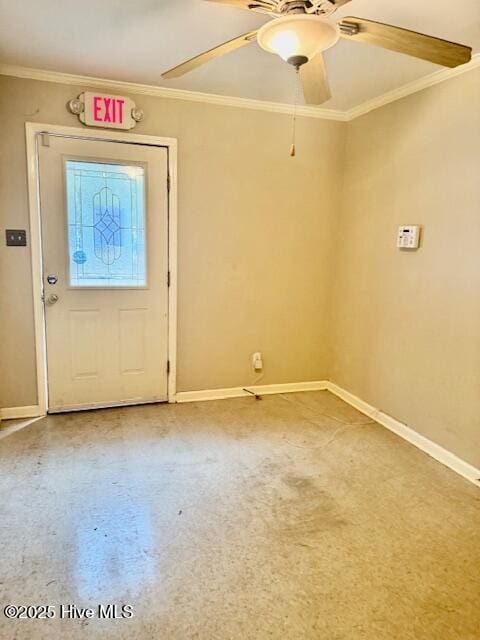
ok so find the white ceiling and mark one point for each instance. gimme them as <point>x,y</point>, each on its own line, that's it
<point>136,40</point>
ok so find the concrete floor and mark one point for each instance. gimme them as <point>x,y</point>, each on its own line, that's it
<point>292,518</point>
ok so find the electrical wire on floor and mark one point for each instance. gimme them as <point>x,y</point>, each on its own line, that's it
<point>327,442</point>
<point>346,426</point>
<point>327,415</point>
<point>257,397</point>
<point>254,383</point>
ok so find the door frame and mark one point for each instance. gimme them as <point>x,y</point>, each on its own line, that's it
<point>33,131</point>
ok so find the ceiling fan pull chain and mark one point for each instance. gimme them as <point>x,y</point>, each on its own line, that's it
<point>294,121</point>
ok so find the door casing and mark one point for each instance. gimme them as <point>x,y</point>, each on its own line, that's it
<point>33,132</point>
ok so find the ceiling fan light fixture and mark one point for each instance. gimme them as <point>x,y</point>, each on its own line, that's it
<point>298,38</point>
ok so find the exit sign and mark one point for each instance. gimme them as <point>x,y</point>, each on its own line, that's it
<point>105,110</point>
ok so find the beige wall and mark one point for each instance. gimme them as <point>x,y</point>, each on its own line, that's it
<point>255,238</point>
<point>406,326</point>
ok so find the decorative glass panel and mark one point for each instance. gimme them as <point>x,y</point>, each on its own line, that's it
<point>106,224</point>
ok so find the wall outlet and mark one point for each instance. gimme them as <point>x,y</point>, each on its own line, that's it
<point>257,361</point>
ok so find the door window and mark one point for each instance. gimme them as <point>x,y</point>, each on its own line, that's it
<point>106,224</point>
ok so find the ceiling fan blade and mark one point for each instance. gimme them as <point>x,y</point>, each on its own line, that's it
<point>444,52</point>
<point>264,6</point>
<point>314,81</point>
<point>206,56</point>
<point>241,4</point>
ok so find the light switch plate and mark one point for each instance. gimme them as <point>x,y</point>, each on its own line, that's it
<point>408,237</point>
<point>16,237</point>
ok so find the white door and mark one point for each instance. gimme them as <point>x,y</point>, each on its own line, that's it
<point>104,210</point>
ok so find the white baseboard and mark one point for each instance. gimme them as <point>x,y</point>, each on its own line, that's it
<point>16,413</point>
<point>260,389</point>
<point>433,449</point>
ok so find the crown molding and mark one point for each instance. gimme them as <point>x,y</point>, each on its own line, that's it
<point>166,92</point>
<point>245,103</point>
<point>412,87</point>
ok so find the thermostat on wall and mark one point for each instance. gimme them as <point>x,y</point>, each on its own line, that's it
<point>408,237</point>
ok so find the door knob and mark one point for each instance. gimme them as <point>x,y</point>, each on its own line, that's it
<point>52,298</point>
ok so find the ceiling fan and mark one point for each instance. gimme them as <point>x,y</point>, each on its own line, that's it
<point>302,29</point>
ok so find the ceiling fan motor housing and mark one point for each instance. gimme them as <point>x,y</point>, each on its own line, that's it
<point>289,7</point>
